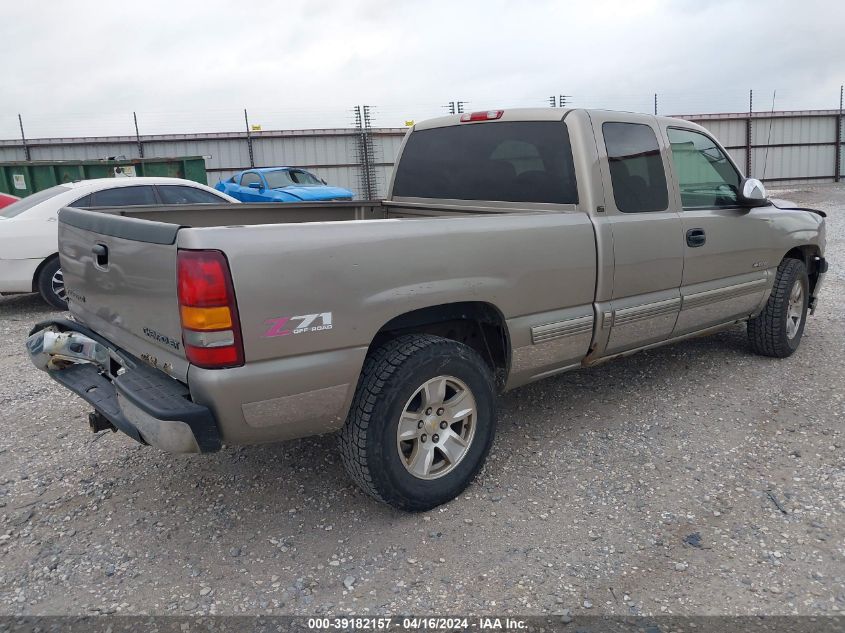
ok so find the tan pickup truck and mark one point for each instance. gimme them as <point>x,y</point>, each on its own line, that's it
<point>513,245</point>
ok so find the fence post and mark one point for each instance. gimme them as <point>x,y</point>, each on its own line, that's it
<point>23,138</point>
<point>249,141</point>
<point>837,148</point>
<point>138,136</point>
<point>748,134</point>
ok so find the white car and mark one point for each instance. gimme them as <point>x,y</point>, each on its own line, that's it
<point>29,259</point>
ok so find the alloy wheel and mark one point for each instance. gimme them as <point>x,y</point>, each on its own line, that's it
<point>437,427</point>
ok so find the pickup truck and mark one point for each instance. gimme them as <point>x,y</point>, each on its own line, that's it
<point>513,245</point>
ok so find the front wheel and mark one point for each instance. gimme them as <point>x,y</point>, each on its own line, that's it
<point>51,284</point>
<point>421,423</point>
<point>778,329</point>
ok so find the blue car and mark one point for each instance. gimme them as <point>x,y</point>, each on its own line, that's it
<point>280,184</point>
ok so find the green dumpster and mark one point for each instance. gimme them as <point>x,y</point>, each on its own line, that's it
<point>26,177</point>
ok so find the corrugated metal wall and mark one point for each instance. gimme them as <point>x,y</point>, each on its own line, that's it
<point>331,154</point>
<point>784,148</point>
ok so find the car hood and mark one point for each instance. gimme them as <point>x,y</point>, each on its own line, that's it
<point>315,193</point>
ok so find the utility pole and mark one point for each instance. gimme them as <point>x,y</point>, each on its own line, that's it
<point>655,104</point>
<point>552,102</point>
<point>461,105</point>
<point>562,99</point>
<point>451,107</point>
<point>23,138</point>
<point>366,151</point>
<point>750,101</point>
<point>138,136</point>
<point>249,140</point>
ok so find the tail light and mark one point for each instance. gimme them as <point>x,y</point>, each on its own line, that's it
<point>211,331</point>
<point>487,115</point>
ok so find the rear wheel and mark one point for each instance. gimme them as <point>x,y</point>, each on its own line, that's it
<point>778,329</point>
<point>51,284</point>
<point>421,423</point>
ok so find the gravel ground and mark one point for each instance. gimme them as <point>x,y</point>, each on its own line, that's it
<point>692,479</point>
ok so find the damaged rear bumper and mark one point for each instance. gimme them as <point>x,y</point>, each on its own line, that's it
<point>143,402</point>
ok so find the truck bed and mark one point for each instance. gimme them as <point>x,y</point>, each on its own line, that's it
<point>208,215</point>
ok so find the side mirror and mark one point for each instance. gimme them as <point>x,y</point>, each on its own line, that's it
<point>752,193</point>
<point>255,185</point>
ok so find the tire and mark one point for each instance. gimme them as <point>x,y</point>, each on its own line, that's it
<point>778,329</point>
<point>398,381</point>
<point>51,285</point>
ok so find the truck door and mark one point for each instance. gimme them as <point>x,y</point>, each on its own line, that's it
<point>727,264</point>
<point>646,234</point>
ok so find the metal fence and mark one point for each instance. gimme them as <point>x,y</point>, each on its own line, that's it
<point>778,147</point>
<point>334,154</point>
<point>781,147</point>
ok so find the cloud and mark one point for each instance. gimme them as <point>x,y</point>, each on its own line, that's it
<point>83,68</point>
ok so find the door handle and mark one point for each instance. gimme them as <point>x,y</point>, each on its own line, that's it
<point>101,255</point>
<point>696,237</point>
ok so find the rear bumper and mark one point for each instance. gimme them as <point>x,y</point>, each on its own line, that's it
<point>143,402</point>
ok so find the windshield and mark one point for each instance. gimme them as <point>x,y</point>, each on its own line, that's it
<point>30,201</point>
<point>277,179</point>
<point>290,177</point>
<point>304,178</point>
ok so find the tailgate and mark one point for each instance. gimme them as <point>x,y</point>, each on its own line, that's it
<point>120,277</point>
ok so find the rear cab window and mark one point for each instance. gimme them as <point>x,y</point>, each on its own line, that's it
<point>509,161</point>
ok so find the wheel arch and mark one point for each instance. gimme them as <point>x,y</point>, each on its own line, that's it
<point>479,324</point>
<point>807,253</point>
<point>38,270</point>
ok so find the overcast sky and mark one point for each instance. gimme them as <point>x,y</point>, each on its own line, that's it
<point>81,68</point>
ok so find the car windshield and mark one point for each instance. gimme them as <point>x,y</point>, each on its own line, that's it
<point>305,179</point>
<point>278,179</point>
<point>290,177</point>
<point>29,202</point>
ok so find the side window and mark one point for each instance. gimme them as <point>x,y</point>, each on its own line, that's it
<point>706,177</point>
<point>83,202</point>
<point>250,177</point>
<point>636,169</point>
<point>124,197</point>
<point>180,194</point>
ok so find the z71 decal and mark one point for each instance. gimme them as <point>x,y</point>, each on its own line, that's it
<point>282,326</point>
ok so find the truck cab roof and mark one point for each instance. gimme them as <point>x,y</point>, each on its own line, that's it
<point>538,114</point>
